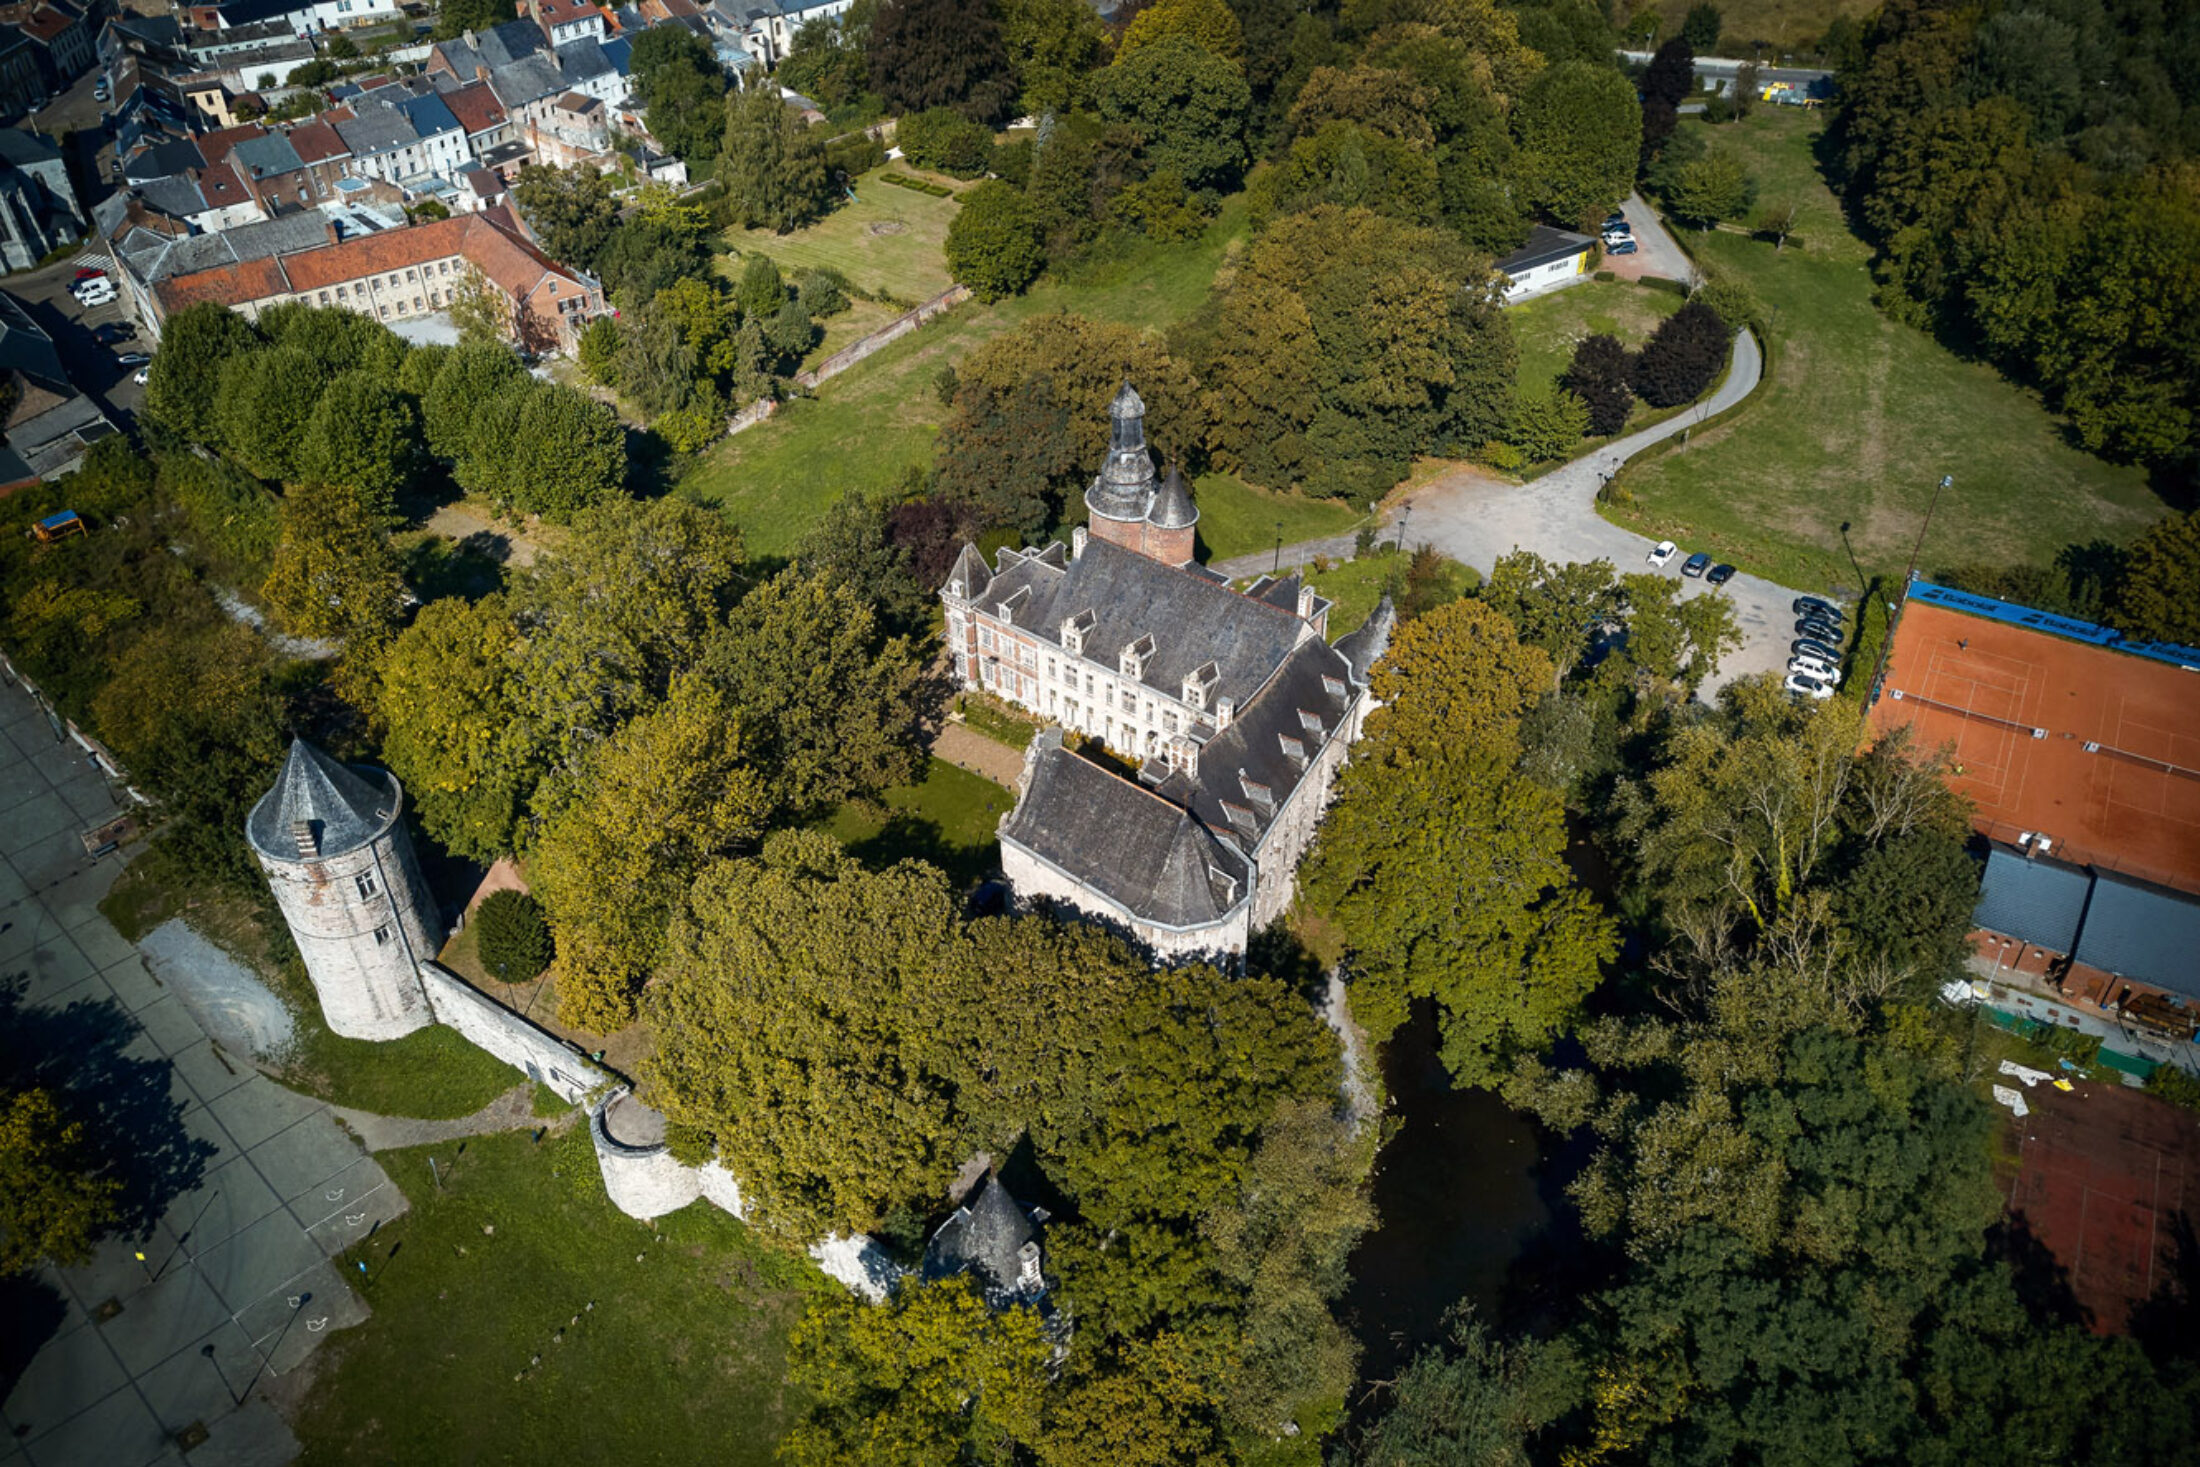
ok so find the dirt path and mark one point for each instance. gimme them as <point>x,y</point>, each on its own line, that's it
<point>966,748</point>
<point>462,521</point>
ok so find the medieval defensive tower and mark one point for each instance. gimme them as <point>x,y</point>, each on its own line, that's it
<point>1128,503</point>
<point>343,872</point>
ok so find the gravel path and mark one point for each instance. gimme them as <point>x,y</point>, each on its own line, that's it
<point>237,1010</point>
<point>514,1110</point>
<point>966,748</point>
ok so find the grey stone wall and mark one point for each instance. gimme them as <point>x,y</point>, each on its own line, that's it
<point>488,1025</point>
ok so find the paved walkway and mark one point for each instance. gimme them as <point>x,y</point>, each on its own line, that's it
<point>238,1190</point>
<point>514,1110</point>
<point>1475,517</point>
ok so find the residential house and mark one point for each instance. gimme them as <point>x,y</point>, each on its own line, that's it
<point>48,424</point>
<point>302,16</point>
<point>763,30</point>
<point>482,118</point>
<point>401,138</point>
<point>1232,706</point>
<point>573,131</point>
<point>22,83</point>
<point>397,275</point>
<point>62,40</point>
<point>566,20</point>
<point>39,212</point>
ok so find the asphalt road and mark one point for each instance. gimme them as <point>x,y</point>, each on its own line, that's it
<point>1721,66</point>
<point>90,364</point>
<point>1656,252</point>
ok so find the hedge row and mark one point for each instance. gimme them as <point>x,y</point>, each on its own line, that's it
<point>903,180</point>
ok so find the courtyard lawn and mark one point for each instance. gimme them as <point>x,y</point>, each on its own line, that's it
<point>1355,586</point>
<point>872,423</point>
<point>1858,420</point>
<point>680,1360</point>
<point>889,241</point>
<point>1549,327</point>
<point>949,819</point>
<point>1236,518</point>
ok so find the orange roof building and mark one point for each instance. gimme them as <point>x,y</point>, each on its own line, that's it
<point>403,274</point>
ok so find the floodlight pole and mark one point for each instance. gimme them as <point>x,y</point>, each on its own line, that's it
<point>1886,645</point>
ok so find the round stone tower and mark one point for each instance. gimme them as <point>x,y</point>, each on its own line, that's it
<point>1172,524</point>
<point>343,872</point>
<point>1123,490</point>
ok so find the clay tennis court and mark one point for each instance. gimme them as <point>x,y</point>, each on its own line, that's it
<point>2103,1172</point>
<point>2130,802</point>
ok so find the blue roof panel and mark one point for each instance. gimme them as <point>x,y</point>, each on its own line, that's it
<point>2038,900</point>
<point>2142,932</point>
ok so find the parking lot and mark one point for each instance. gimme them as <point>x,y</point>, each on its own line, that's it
<point>90,363</point>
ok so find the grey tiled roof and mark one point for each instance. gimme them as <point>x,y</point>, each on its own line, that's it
<point>528,79</point>
<point>378,128</point>
<point>1142,851</point>
<point>345,807</point>
<point>1192,620</point>
<point>984,1238</point>
<point>2038,900</point>
<point>2143,932</point>
<point>1364,647</point>
<point>263,157</point>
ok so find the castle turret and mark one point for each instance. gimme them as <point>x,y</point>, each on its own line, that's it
<point>1172,523</point>
<point>343,873</point>
<point>1124,489</point>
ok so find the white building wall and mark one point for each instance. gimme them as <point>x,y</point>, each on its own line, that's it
<point>1032,877</point>
<point>491,1027</point>
<point>1284,846</point>
<point>363,924</point>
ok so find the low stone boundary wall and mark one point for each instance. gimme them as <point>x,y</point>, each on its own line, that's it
<point>488,1025</point>
<point>855,351</point>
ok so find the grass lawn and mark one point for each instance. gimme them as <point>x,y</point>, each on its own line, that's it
<point>1860,418</point>
<point>1549,327</point>
<point>1354,586</point>
<point>868,425</point>
<point>680,1361</point>
<point>1777,23</point>
<point>431,1073</point>
<point>1237,518</point>
<point>997,720</point>
<point>949,820</point>
<point>889,241</point>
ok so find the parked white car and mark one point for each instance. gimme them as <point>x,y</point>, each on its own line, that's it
<point>1814,667</point>
<point>1662,552</point>
<point>1806,686</point>
<point>95,293</point>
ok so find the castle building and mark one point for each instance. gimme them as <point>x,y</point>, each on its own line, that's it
<point>342,870</point>
<point>1231,706</point>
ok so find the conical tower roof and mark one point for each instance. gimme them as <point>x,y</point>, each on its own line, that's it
<point>1124,488</point>
<point>1172,507</point>
<point>339,808</point>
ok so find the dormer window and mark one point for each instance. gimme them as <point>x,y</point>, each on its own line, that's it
<point>1334,686</point>
<point>1199,685</point>
<point>1293,750</point>
<point>1263,798</point>
<point>1311,722</point>
<point>1075,629</point>
<point>1240,817</point>
<point>1014,602</point>
<point>1131,661</point>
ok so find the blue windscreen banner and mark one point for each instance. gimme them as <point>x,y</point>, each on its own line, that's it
<point>2069,627</point>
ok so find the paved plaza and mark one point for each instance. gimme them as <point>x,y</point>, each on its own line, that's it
<point>240,1190</point>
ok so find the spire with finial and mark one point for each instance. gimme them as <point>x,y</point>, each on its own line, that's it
<point>1125,485</point>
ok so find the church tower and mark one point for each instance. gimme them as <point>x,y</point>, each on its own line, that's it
<point>1123,491</point>
<point>343,873</point>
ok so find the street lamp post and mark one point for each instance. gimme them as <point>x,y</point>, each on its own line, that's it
<point>1886,644</point>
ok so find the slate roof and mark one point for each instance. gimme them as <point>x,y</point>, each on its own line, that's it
<point>1545,246</point>
<point>984,1237</point>
<point>1364,648</point>
<point>20,147</point>
<point>378,127</point>
<point>1172,507</point>
<point>2039,900</point>
<point>2139,931</point>
<point>265,157</point>
<point>344,806</point>
<point>1142,851</point>
<point>1192,620</point>
<point>27,349</point>
<point>429,115</point>
<point>498,46</point>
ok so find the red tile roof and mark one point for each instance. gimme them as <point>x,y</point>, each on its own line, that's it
<point>214,146</point>
<point>229,285</point>
<point>317,142</point>
<point>475,106</point>
<point>2115,780</point>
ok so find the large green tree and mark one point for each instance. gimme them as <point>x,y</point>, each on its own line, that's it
<point>680,83</point>
<point>55,1196</point>
<point>772,164</point>
<point>572,210</point>
<point>263,405</point>
<point>365,436</point>
<point>184,383</point>
<point>829,700</point>
<point>446,696</point>
<point>1188,105</point>
<point>940,53</point>
<point>334,573</point>
<point>993,241</point>
<point>2156,598</point>
<point>1053,47</point>
<point>1579,131</point>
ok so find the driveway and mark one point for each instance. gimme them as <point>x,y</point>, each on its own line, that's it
<point>1656,253</point>
<point>237,1191</point>
<point>1475,517</point>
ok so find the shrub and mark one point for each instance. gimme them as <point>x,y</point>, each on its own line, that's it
<point>1731,297</point>
<point>857,153</point>
<point>2174,1086</point>
<point>1547,423</point>
<point>946,140</point>
<point>513,939</point>
<point>1681,360</point>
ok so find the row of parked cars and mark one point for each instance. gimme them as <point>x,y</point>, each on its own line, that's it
<point>1814,669</point>
<point>1699,564</point>
<point>1618,235</point>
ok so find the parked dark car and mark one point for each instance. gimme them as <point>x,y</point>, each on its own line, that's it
<point>1696,564</point>
<point>1623,247</point>
<point>1804,605</point>
<point>1815,647</point>
<point>1818,629</point>
<point>1616,221</point>
<point>1719,574</point>
<point>113,332</point>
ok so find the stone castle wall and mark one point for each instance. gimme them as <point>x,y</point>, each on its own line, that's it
<point>362,944</point>
<point>1032,878</point>
<point>490,1026</point>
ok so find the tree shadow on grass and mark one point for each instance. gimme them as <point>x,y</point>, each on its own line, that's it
<point>909,837</point>
<point>133,1124</point>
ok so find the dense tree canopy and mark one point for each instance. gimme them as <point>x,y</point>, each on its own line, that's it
<point>1579,132</point>
<point>993,243</point>
<point>677,77</point>
<point>940,53</point>
<point>772,165</point>
<point>1187,104</point>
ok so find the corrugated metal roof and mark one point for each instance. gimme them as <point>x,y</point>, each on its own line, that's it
<point>2038,900</point>
<point>2143,932</point>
